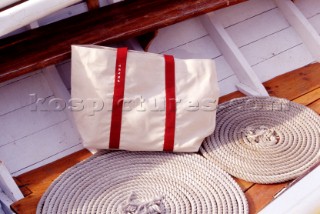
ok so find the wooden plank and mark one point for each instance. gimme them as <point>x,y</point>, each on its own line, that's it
<point>223,69</point>
<point>25,190</point>
<point>269,46</point>
<point>309,8</point>
<point>24,13</point>
<point>260,195</point>
<point>244,185</point>
<point>17,94</point>
<point>288,60</point>
<point>315,21</point>
<point>241,12</point>
<point>37,147</point>
<point>22,122</point>
<point>296,83</point>
<point>257,27</point>
<point>230,96</point>
<point>228,85</point>
<point>177,35</point>
<point>315,106</point>
<point>38,180</point>
<point>300,23</point>
<point>202,48</point>
<point>309,97</point>
<point>93,4</point>
<point>37,48</point>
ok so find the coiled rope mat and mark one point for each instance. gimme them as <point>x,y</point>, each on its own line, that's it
<point>138,182</point>
<point>264,139</point>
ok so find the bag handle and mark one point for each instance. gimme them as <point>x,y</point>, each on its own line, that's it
<point>117,104</point>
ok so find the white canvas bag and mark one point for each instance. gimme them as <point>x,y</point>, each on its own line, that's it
<point>141,101</point>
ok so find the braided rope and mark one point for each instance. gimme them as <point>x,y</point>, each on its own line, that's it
<point>264,139</point>
<point>140,182</point>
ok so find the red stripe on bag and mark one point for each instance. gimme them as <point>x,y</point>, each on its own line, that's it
<point>170,122</point>
<point>117,105</point>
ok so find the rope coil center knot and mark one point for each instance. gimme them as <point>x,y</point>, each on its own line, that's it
<point>261,135</point>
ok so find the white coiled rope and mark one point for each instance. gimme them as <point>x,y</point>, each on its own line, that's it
<point>143,182</point>
<point>264,139</point>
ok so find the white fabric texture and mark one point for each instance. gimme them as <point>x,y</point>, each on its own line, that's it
<point>143,122</point>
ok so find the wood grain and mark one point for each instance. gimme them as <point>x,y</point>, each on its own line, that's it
<point>260,195</point>
<point>231,96</point>
<point>298,83</point>
<point>315,106</point>
<point>309,97</point>
<point>50,44</point>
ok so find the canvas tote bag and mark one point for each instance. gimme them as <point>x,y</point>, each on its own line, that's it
<point>141,101</point>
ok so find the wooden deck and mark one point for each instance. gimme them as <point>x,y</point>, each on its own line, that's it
<point>301,86</point>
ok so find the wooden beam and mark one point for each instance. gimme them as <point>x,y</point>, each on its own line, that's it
<point>28,12</point>
<point>50,44</point>
<point>8,185</point>
<point>92,4</point>
<point>249,81</point>
<point>301,24</point>
<point>286,86</point>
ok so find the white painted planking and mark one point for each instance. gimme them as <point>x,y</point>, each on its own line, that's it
<point>8,185</point>
<point>64,13</point>
<point>228,85</point>
<point>59,89</point>
<point>64,70</point>
<point>315,21</point>
<point>38,146</point>
<point>257,27</point>
<point>300,23</point>
<point>24,76</point>
<point>177,35</point>
<point>17,94</point>
<point>223,68</point>
<point>24,121</point>
<point>24,13</point>
<point>289,60</point>
<point>267,47</point>
<point>49,159</point>
<point>237,13</point>
<point>202,48</point>
<point>309,8</point>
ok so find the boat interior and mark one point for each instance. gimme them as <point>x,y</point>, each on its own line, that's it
<point>260,48</point>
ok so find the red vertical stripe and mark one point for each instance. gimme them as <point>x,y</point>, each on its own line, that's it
<point>117,105</point>
<point>170,122</point>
